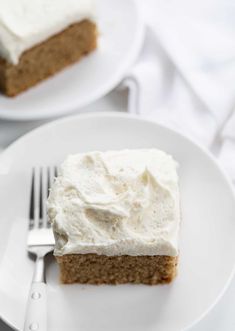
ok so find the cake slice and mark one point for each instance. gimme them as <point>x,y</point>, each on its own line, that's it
<point>115,217</point>
<point>39,38</point>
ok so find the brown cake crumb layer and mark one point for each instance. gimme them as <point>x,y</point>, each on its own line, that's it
<point>47,58</point>
<point>101,269</point>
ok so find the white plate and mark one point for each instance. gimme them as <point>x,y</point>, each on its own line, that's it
<point>121,35</point>
<point>207,245</point>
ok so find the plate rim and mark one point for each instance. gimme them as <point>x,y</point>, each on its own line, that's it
<point>105,115</point>
<point>100,92</point>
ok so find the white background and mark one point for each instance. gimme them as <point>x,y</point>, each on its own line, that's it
<point>222,317</point>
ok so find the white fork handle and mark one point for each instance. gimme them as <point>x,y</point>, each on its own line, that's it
<point>36,314</point>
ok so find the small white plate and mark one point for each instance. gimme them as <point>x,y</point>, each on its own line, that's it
<point>207,245</point>
<point>121,35</point>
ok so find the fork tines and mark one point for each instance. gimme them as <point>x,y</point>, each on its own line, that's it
<point>42,178</point>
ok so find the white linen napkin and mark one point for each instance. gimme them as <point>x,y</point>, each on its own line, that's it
<point>227,151</point>
<point>185,75</point>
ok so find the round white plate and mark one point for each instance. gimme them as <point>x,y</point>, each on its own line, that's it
<point>120,38</point>
<point>207,245</point>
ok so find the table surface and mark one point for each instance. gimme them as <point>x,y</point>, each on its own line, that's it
<point>222,317</point>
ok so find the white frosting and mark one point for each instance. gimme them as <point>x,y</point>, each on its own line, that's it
<point>25,23</point>
<point>116,203</point>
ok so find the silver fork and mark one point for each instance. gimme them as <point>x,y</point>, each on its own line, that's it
<point>39,243</point>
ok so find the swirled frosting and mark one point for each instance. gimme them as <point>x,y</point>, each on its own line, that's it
<point>116,203</point>
<point>26,23</point>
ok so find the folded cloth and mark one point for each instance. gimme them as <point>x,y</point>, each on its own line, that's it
<point>184,77</point>
<point>227,151</point>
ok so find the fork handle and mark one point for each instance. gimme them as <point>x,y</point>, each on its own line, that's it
<point>36,314</point>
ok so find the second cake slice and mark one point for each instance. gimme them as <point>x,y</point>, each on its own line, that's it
<point>38,38</point>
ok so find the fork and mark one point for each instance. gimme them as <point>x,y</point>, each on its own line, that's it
<point>40,242</point>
